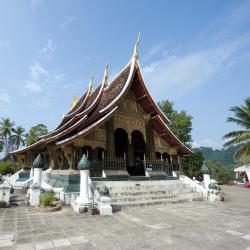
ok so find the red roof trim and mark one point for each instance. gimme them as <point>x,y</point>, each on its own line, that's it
<point>83,132</point>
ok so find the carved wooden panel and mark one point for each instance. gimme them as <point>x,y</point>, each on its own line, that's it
<point>100,135</point>
<point>92,144</point>
<point>130,123</point>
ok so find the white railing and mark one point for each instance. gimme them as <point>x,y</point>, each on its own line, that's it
<point>13,178</point>
<point>199,188</point>
<point>28,182</point>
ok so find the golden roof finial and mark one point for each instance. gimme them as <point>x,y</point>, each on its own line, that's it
<point>106,76</point>
<point>91,84</point>
<point>135,55</point>
<point>74,102</point>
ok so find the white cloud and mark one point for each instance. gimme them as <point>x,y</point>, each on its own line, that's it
<point>35,3</point>
<point>33,87</point>
<point>207,143</point>
<point>4,44</point>
<point>49,48</point>
<point>37,71</point>
<point>4,100</point>
<point>67,22</point>
<point>179,74</point>
<point>4,96</point>
<point>38,77</point>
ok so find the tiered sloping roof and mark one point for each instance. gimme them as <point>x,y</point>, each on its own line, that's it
<point>95,108</point>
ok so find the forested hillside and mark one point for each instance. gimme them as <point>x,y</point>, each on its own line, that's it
<point>222,156</point>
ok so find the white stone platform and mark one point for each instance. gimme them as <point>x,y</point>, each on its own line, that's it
<point>126,194</point>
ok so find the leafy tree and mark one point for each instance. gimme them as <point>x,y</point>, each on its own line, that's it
<point>241,118</point>
<point>224,156</point>
<point>34,133</point>
<point>17,139</point>
<point>219,172</point>
<point>6,127</point>
<point>181,122</point>
<point>1,146</point>
<point>6,168</point>
<point>192,165</point>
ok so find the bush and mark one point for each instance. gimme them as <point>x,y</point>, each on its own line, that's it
<point>6,168</point>
<point>47,199</point>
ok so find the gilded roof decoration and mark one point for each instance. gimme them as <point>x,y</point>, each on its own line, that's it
<point>74,102</point>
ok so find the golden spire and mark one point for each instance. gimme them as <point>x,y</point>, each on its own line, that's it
<point>91,84</point>
<point>74,102</point>
<point>135,54</point>
<point>106,76</point>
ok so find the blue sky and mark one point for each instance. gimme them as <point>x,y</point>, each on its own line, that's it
<point>195,53</point>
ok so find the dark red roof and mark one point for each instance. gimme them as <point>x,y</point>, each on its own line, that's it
<point>92,110</point>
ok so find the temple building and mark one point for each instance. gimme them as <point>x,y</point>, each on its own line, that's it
<point>118,126</point>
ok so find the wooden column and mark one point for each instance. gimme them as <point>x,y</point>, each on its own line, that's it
<point>110,139</point>
<point>130,159</point>
<point>150,146</point>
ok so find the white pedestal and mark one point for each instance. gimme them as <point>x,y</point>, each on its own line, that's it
<point>31,172</point>
<point>38,176</point>
<point>5,193</point>
<point>80,205</point>
<point>206,180</point>
<point>35,190</point>
<point>104,206</point>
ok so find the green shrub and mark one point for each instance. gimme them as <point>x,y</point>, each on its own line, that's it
<point>47,199</point>
<point>6,168</point>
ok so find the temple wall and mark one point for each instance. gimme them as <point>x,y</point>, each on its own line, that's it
<point>130,123</point>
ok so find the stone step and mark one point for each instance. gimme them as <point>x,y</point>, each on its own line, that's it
<point>118,206</point>
<point>152,198</point>
<point>126,194</point>
<point>146,189</point>
<point>151,192</point>
<point>17,198</point>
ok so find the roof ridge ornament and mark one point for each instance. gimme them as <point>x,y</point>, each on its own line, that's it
<point>91,88</point>
<point>106,76</point>
<point>135,54</point>
<point>74,102</point>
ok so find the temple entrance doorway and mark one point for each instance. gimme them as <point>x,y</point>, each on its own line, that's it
<point>121,143</point>
<point>139,146</point>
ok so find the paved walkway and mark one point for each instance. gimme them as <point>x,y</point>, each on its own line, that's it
<point>218,225</point>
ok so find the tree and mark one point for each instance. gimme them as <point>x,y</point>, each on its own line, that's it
<point>192,165</point>
<point>6,127</point>
<point>219,172</point>
<point>1,146</point>
<point>181,122</point>
<point>34,133</point>
<point>241,118</point>
<point>17,139</point>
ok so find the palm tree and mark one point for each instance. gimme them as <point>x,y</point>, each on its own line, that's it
<point>5,131</point>
<point>242,137</point>
<point>17,138</point>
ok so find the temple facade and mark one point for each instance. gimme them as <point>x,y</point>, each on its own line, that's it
<point>118,126</point>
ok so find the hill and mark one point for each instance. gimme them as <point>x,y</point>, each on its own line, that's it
<point>223,156</point>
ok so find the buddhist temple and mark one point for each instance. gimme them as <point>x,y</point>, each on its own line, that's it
<point>118,126</point>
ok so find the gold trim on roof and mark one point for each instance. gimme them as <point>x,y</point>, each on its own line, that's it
<point>106,76</point>
<point>91,88</point>
<point>74,102</point>
<point>135,54</point>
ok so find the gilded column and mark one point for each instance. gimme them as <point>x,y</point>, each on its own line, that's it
<point>150,146</point>
<point>110,139</point>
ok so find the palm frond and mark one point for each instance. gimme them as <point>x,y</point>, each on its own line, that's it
<point>244,123</point>
<point>234,134</point>
<point>243,138</point>
<point>243,153</point>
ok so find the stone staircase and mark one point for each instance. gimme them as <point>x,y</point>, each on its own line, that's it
<point>127,194</point>
<point>19,197</point>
